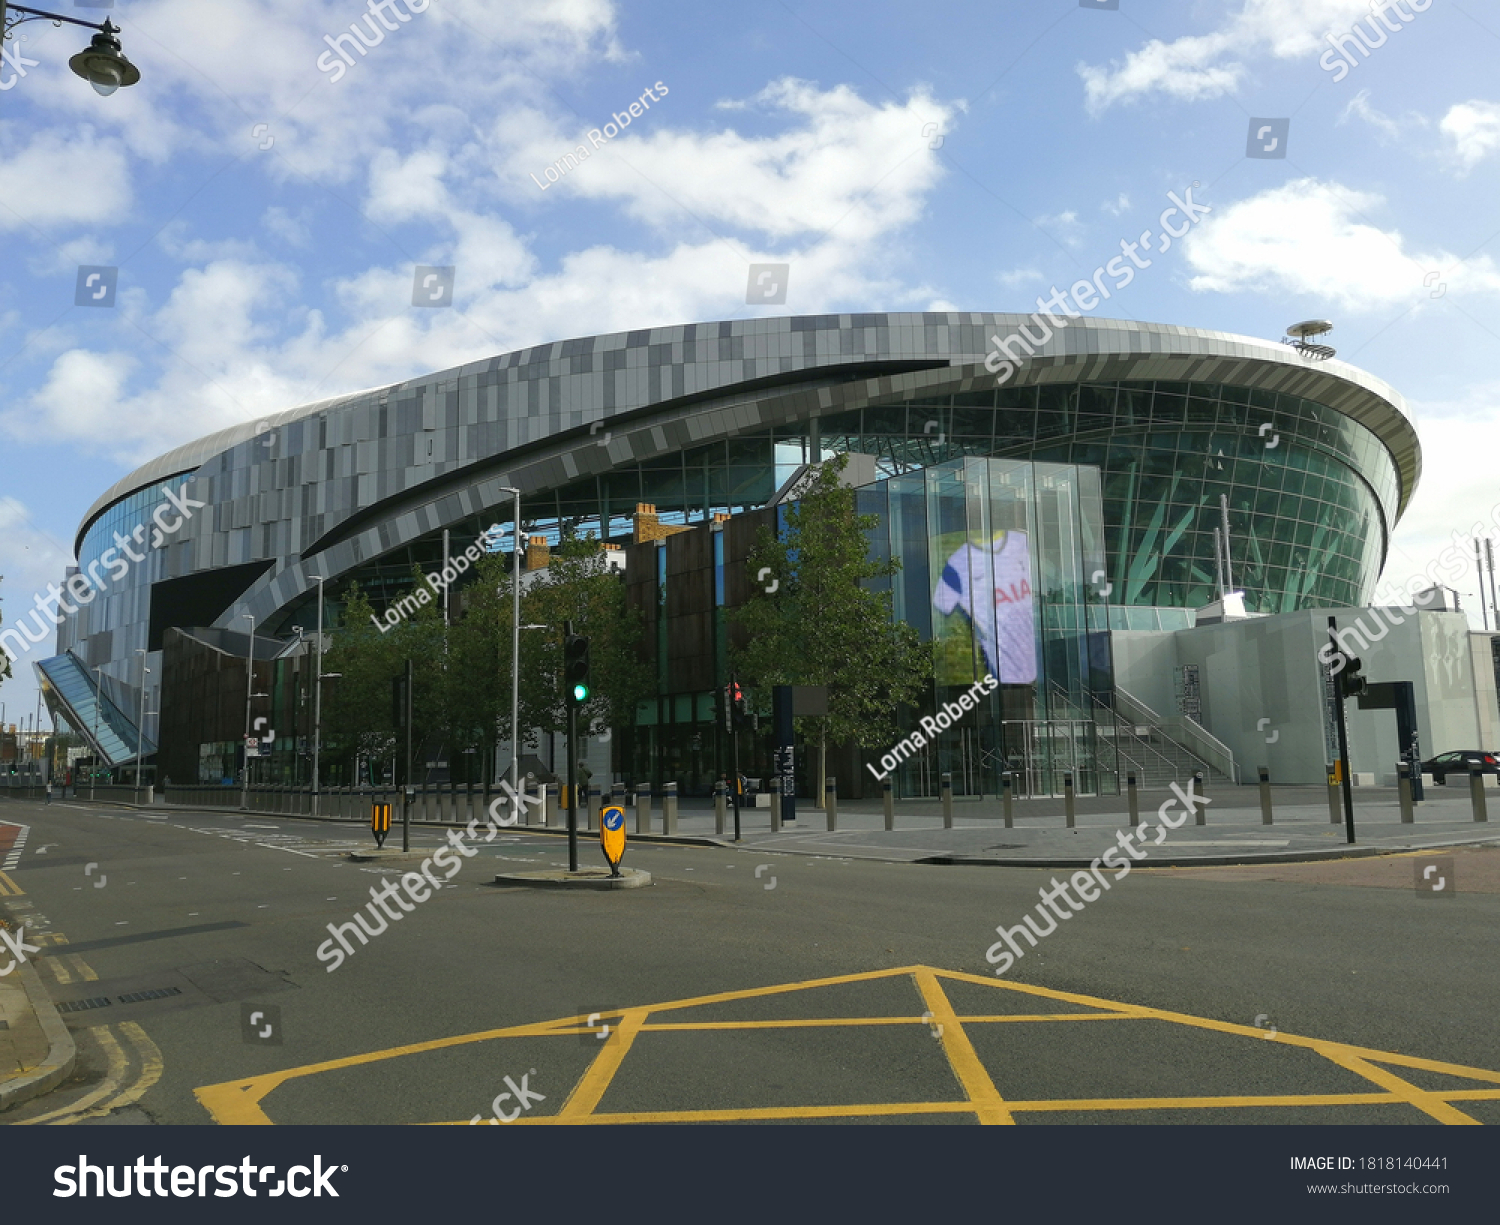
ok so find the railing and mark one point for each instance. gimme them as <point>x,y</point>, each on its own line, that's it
<point>1202,743</point>
<point>1192,736</point>
<point>1140,752</point>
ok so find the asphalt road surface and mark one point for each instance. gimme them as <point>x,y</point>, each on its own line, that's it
<point>183,949</point>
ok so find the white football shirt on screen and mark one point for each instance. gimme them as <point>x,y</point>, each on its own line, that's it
<point>993,587</point>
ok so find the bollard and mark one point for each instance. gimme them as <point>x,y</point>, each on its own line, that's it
<point>1265,795</point>
<point>1403,789</point>
<point>721,803</point>
<point>831,801</point>
<point>528,817</point>
<point>551,814</point>
<point>1007,792</point>
<point>1068,798</point>
<point>595,799</point>
<point>1195,788</point>
<point>776,807</point>
<point>1476,793</point>
<point>1133,799</point>
<point>669,810</point>
<point>888,798</point>
<point>643,808</point>
<point>946,787</point>
<point>1335,804</point>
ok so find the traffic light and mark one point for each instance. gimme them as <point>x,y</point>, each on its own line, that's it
<point>1351,683</point>
<point>737,703</point>
<point>576,669</point>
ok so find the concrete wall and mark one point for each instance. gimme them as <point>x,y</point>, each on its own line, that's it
<point>1263,695</point>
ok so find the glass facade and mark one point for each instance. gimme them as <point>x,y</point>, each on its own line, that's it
<point>999,560</point>
<point>1311,494</point>
<point>79,703</point>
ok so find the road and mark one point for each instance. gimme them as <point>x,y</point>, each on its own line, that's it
<point>742,984</point>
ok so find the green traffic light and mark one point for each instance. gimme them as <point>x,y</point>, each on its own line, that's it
<point>580,693</point>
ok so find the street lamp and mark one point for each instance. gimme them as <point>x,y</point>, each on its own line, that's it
<point>98,752</point>
<point>250,694</point>
<point>102,64</point>
<point>318,697</point>
<point>140,727</point>
<point>515,645</point>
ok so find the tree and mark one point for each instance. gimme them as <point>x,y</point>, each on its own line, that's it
<point>820,626</point>
<point>358,709</point>
<point>462,673</point>
<point>578,586</point>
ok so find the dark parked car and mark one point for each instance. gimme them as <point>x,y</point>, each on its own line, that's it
<point>1458,764</point>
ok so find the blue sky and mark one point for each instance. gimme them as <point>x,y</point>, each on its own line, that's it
<point>266,218</point>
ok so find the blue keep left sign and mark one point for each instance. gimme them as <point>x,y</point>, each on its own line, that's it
<point>612,834</point>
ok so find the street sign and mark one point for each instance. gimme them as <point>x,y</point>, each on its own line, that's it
<point>612,836</point>
<point>380,822</point>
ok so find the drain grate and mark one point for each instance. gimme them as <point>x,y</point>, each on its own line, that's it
<point>102,1001</point>
<point>161,993</point>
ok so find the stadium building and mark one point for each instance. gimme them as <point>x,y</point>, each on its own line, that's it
<point>1142,470</point>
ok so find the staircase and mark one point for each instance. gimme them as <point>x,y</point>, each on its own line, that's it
<point>1160,751</point>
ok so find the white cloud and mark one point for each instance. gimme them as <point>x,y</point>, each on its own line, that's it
<point>1474,130</point>
<point>1316,238</point>
<point>841,162</point>
<point>1359,107</point>
<point>827,192</point>
<point>63,178</point>
<point>1457,489</point>
<point>30,558</point>
<point>1212,64</point>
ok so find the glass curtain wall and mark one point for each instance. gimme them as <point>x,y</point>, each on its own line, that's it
<point>1001,560</point>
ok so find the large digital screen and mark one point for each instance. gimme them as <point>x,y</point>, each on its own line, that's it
<point>984,601</point>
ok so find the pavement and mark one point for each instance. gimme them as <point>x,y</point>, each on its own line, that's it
<point>36,1050</point>
<point>1232,831</point>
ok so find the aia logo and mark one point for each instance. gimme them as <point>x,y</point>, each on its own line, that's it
<point>1013,594</point>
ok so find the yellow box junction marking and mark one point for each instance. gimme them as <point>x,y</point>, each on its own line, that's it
<point>242,1101</point>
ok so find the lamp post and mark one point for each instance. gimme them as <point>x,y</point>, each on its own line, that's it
<point>103,65</point>
<point>140,727</point>
<point>515,644</point>
<point>318,696</point>
<point>98,702</point>
<point>249,694</point>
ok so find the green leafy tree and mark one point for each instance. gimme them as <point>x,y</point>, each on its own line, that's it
<point>358,708</point>
<point>578,586</point>
<point>822,627</point>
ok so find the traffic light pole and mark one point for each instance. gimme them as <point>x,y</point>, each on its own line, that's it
<point>734,746</point>
<point>572,785</point>
<point>1338,718</point>
<point>575,694</point>
<point>406,794</point>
